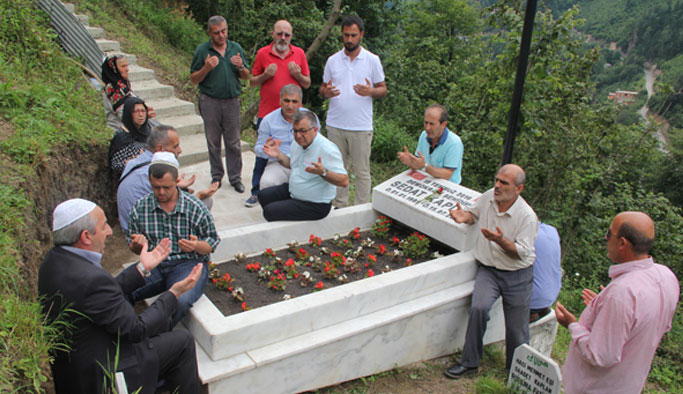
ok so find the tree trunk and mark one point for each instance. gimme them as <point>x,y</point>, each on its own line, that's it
<point>334,15</point>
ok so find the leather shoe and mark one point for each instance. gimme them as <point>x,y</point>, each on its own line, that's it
<point>457,371</point>
<point>239,187</point>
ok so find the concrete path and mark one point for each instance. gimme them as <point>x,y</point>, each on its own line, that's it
<point>228,206</point>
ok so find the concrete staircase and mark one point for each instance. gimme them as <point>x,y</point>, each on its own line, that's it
<point>170,110</point>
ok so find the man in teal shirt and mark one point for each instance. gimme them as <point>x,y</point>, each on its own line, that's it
<point>439,150</point>
<point>217,67</point>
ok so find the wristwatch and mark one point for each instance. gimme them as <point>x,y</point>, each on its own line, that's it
<point>143,270</point>
<point>324,174</point>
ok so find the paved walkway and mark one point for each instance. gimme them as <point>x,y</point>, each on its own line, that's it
<point>228,206</point>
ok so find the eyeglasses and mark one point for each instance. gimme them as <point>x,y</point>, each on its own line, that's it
<point>608,235</point>
<point>302,131</point>
<point>139,111</point>
<point>282,33</point>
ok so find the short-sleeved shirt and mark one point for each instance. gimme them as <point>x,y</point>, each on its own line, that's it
<point>134,186</point>
<point>447,154</point>
<point>519,224</point>
<point>270,90</point>
<point>189,217</point>
<point>349,111</point>
<point>223,81</point>
<point>547,270</point>
<point>275,125</point>
<point>307,186</point>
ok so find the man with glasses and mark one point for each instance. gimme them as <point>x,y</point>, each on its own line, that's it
<point>277,125</point>
<point>615,340</point>
<point>505,253</point>
<point>316,169</point>
<point>217,66</point>
<point>277,64</point>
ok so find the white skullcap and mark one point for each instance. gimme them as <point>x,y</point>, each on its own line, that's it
<point>165,158</point>
<point>69,211</point>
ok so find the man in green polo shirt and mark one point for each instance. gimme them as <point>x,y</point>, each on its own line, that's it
<point>217,66</point>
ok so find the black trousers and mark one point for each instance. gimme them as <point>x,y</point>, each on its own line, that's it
<point>177,365</point>
<point>279,205</point>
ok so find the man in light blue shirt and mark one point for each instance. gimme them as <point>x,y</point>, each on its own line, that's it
<point>317,169</point>
<point>277,125</point>
<point>547,271</point>
<point>439,150</point>
<point>134,182</point>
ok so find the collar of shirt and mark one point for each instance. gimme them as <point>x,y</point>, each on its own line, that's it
<point>619,269</point>
<point>179,205</point>
<point>442,139</point>
<point>89,255</point>
<point>516,206</point>
<point>361,55</point>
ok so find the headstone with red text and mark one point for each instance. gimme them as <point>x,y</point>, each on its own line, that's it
<point>422,202</point>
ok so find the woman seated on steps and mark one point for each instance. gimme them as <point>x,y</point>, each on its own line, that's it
<point>117,89</point>
<point>131,138</point>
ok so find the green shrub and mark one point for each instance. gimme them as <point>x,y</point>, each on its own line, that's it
<point>388,139</point>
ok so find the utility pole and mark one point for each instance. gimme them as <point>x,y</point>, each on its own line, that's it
<point>513,118</point>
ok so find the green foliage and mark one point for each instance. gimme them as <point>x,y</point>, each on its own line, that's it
<point>667,169</point>
<point>155,17</point>
<point>388,138</point>
<point>415,245</point>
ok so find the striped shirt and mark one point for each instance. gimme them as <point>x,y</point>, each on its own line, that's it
<point>189,217</point>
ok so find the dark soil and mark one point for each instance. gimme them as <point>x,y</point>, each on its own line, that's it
<point>257,293</point>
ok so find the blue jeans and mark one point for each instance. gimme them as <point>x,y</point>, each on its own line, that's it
<point>164,276</point>
<point>259,167</point>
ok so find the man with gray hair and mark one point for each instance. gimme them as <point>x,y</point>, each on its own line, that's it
<point>106,336</point>
<point>134,182</point>
<point>317,168</point>
<point>170,212</point>
<point>278,125</point>
<point>505,253</point>
<point>217,66</point>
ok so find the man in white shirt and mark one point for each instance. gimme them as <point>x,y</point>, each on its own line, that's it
<point>505,255</point>
<point>353,77</point>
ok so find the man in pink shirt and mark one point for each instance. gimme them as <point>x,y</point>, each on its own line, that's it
<point>277,64</point>
<point>615,340</point>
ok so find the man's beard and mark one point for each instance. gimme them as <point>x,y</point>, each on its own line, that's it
<point>350,47</point>
<point>281,46</point>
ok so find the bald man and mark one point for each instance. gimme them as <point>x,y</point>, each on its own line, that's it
<point>505,255</point>
<point>615,340</point>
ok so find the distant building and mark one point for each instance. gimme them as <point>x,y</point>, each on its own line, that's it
<point>623,97</point>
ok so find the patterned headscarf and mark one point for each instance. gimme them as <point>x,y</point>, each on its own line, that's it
<point>116,88</point>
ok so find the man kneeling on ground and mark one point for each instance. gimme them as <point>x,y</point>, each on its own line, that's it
<point>317,168</point>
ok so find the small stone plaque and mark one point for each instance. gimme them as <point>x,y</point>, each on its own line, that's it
<point>533,372</point>
<point>422,202</point>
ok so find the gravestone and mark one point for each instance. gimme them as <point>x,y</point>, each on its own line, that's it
<point>533,372</point>
<point>422,202</point>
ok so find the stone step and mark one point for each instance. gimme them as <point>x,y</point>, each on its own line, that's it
<point>108,45</point>
<point>132,59</point>
<point>137,73</point>
<point>171,107</point>
<point>194,150</point>
<point>95,32</point>
<point>185,124</point>
<point>152,89</point>
<point>70,7</point>
<point>84,19</point>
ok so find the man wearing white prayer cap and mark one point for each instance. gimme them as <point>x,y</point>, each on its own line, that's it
<point>169,212</point>
<point>105,334</point>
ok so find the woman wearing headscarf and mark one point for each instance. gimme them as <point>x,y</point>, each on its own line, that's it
<point>117,89</point>
<point>131,137</point>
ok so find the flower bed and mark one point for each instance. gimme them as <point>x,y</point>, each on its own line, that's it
<point>245,283</point>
